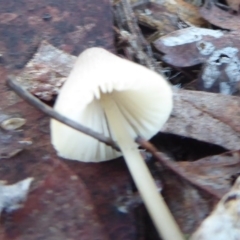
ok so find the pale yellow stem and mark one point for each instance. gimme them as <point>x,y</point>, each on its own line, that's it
<point>156,206</point>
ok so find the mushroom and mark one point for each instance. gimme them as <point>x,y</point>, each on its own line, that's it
<point>121,100</point>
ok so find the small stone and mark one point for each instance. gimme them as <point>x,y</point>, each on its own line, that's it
<point>46,17</point>
<point>12,123</point>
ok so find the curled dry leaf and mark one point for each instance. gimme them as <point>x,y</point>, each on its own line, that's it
<point>223,223</point>
<point>207,117</point>
<point>45,73</point>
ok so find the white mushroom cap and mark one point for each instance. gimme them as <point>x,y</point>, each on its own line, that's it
<point>143,96</point>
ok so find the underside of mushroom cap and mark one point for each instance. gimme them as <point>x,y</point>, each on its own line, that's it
<point>143,97</point>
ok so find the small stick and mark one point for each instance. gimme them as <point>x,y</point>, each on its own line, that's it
<point>28,97</point>
<point>129,30</point>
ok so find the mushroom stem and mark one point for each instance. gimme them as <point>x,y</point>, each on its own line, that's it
<point>157,208</point>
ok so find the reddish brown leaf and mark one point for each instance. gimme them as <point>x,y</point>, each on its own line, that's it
<point>60,208</point>
<point>104,182</point>
<point>71,26</point>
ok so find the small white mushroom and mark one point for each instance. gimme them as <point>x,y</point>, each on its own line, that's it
<point>121,100</point>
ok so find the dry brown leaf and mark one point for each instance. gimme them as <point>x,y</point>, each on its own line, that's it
<point>156,17</point>
<point>60,208</point>
<point>234,4</point>
<point>71,27</point>
<point>191,189</point>
<point>165,16</point>
<point>219,17</point>
<point>186,11</point>
<point>214,172</point>
<point>208,117</point>
<point>46,72</point>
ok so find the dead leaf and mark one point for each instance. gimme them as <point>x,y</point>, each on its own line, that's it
<point>188,204</point>
<point>214,172</point>
<point>216,16</point>
<point>59,208</point>
<point>200,183</point>
<point>186,11</point>
<point>24,25</point>
<point>165,16</point>
<point>208,117</point>
<point>234,4</point>
<point>46,72</point>
<point>156,17</point>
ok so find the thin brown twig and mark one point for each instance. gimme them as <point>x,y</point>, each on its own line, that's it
<point>55,115</point>
<point>129,30</point>
<point>174,167</point>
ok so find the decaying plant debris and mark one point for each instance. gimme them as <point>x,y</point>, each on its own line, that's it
<point>195,49</point>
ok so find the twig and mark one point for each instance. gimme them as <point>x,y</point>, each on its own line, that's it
<point>174,167</point>
<point>129,30</point>
<point>55,115</point>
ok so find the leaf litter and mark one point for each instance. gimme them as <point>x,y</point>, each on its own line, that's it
<point>206,117</point>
